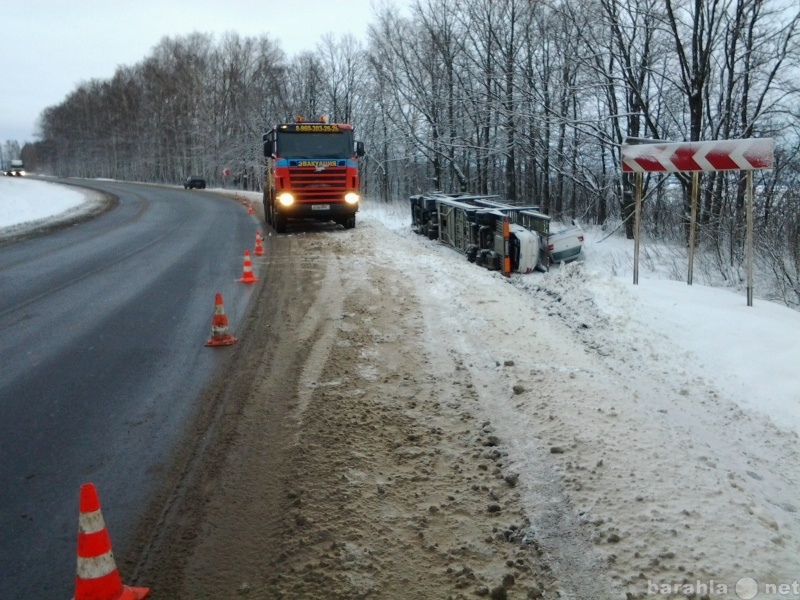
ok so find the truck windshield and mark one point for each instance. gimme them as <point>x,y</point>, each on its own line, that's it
<point>315,145</point>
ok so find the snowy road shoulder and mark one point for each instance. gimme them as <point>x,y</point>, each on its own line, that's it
<point>648,454</point>
<point>748,353</point>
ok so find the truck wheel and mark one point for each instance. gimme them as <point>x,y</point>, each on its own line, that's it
<point>350,223</point>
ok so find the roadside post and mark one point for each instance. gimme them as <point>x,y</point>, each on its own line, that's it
<point>637,225</point>
<point>693,225</point>
<point>637,206</point>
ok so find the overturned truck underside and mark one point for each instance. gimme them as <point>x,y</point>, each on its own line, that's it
<point>491,233</point>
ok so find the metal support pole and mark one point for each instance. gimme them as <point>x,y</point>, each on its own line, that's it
<point>693,224</point>
<point>637,221</point>
<point>749,179</point>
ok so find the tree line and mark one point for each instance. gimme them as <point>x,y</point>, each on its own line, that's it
<point>527,99</point>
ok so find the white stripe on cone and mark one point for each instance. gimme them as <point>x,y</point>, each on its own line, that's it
<point>98,566</point>
<point>91,522</point>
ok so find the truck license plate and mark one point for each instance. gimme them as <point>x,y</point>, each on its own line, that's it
<point>320,207</point>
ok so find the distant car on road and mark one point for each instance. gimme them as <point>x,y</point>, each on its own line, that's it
<point>194,182</point>
<point>564,244</point>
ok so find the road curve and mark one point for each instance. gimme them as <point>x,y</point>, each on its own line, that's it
<point>102,355</point>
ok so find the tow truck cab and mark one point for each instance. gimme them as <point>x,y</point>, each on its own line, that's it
<point>311,173</point>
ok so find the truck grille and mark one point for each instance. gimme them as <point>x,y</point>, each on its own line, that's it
<point>318,186</point>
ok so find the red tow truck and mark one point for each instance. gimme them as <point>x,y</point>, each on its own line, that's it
<point>311,173</point>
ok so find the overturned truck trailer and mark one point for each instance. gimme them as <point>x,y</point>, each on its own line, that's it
<point>491,233</point>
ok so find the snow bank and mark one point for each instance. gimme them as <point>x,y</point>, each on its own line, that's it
<point>27,203</point>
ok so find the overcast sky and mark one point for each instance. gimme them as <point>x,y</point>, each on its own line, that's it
<point>48,47</point>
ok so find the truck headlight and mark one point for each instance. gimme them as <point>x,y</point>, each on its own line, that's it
<point>351,197</point>
<point>286,199</point>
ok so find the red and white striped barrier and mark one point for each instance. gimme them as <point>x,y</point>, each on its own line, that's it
<point>721,155</point>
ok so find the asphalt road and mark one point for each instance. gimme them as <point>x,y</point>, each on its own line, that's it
<point>102,326</point>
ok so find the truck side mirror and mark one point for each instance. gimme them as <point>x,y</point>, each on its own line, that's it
<point>265,141</point>
<point>359,149</point>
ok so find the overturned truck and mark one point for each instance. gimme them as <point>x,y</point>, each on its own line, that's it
<point>491,233</point>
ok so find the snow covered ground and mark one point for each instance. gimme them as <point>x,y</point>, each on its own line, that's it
<point>670,414</point>
<point>27,204</point>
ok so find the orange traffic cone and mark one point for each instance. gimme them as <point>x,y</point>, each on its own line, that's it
<point>247,270</point>
<point>259,251</point>
<point>219,326</point>
<point>97,576</point>
<point>249,209</point>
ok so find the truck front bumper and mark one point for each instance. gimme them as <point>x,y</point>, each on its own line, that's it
<point>329,211</point>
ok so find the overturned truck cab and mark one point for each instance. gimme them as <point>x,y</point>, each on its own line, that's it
<point>489,232</point>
